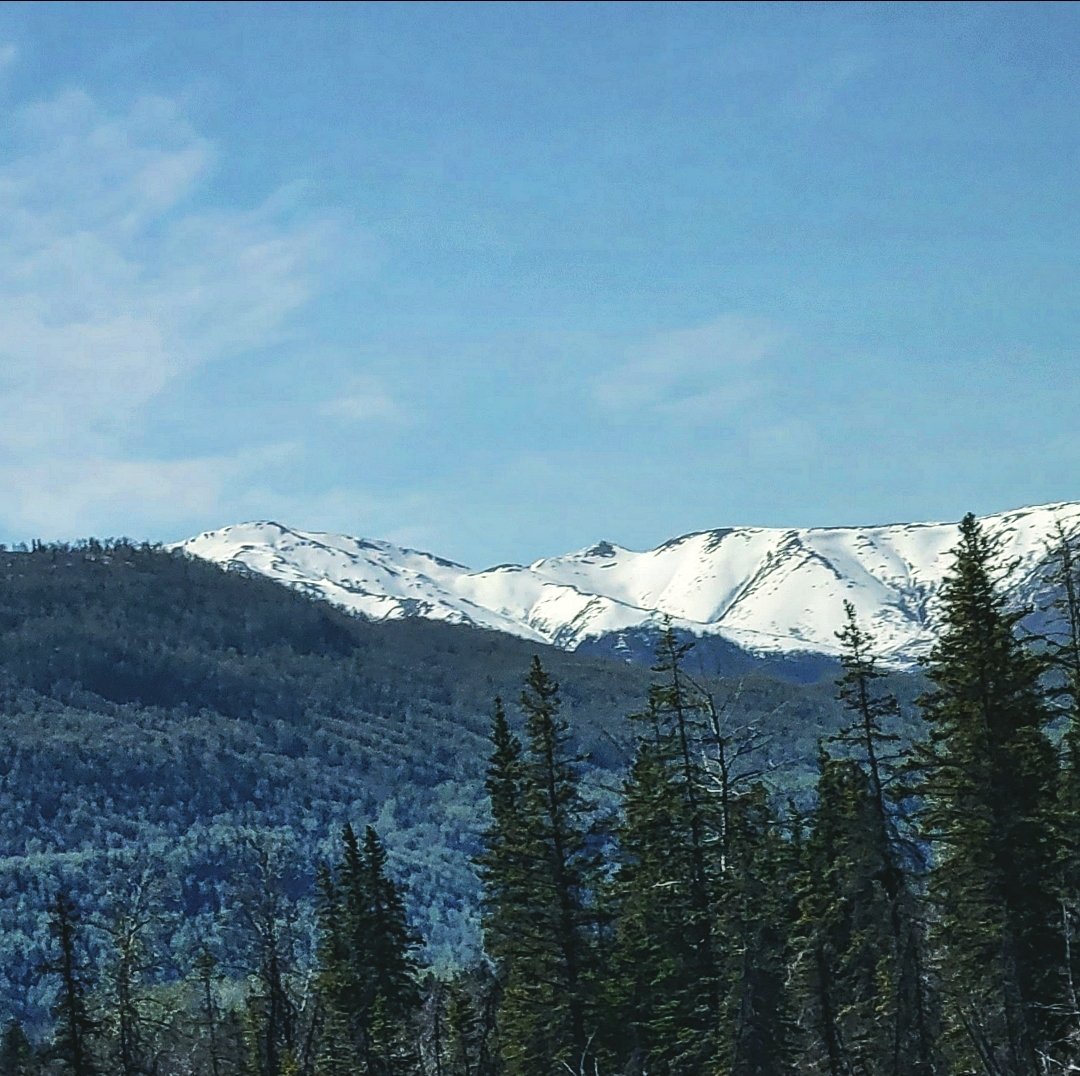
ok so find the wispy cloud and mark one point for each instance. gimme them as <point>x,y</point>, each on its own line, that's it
<point>364,399</point>
<point>8,55</point>
<point>694,374</point>
<point>115,285</point>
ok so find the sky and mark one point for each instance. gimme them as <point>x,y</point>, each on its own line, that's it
<point>502,280</point>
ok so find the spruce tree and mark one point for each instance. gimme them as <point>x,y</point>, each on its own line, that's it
<point>665,1019</point>
<point>861,948</point>
<point>756,910</point>
<point>1065,655</point>
<point>367,975</point>
<point>504,864</point>
<point>547,1011</point>
<point>391,953</point>
<point>205,972</point>
<point>666,985</point>
<point>337,1053</point>
<point>72,1040</point>
<point>17,1056</point>
<point>861,906</point>
<point>989,779</point>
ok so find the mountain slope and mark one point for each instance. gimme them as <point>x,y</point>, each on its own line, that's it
<point>158,712</point>
<point>768,590</point>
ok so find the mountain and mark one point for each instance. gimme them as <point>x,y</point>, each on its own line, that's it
<point>157,712</point>
<point>776,591</point>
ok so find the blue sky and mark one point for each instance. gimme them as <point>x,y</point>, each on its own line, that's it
<point>502,280</point>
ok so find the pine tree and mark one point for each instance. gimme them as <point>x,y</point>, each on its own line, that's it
<point>1065,655</point>
<point>16,1054</point>
<point>367,975</point>
<point>504,865</point>
<point>865,944</point>
<point>205,970</point>
<point>75,1030</point>
<point>469,1024</point>
<point>861,951</point>
<point>666,986</point>
<point>756,912</point>
<point>391,949</point>
<point>337,1054</point>
<point>989,778</point>
<point>678,714</point>
<point>657,994</point>
<point>539,879</point>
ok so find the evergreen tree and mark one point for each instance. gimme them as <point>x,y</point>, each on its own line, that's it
<point>504,865</point>
<point>205,969</point>
<point>339,994</point>
<point>861,908</point>
<point>368,970</point>
<point>666,986</point>
<point>989,778</point>
<point>75,1030</point>
<point>470,1020</point>
<point>1065,654</point>
<point>547,1012</point>
<point>861,947</point>
<point>656,992</point>
<point>17,1056</point>
<point>391,952</point>
<point>756,912</point>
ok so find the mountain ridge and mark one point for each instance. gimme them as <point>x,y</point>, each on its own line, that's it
<point>768,590</point>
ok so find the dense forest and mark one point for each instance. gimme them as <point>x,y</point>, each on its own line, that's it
<point>163,716</point>
<point>217,884</point>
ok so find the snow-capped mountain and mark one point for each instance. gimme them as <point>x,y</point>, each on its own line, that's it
<point>768,590</point>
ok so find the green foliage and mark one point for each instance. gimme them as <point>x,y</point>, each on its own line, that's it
<point>756,910</point>
<point>989,779</point>
<point>540,876</point>
<point>72,1045</point>
<point>732,920</point>
<point>666,988</point>
<point>367,965</point>
<point>17,1056</point>
<point>862,941</point>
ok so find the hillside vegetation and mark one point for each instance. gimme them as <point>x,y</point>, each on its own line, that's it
<point>160,713</point>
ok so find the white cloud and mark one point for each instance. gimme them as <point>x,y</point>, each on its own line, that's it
<point>695,374</point>
<point>365,399</point>
<point>8,55</point>
<point>115,286</point>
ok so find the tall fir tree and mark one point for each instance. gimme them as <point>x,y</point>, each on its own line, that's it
<point>72,1046</point>
<point>391,953</point>
<point>866,924</point>
<point>754,927</point>
<point>209,1032</point>
<point>989,780</point>
<point>368,969</point>
<point>861,952</point>
<point>539,878</point>
<point>504,864</point>
<point>1065,655</point>
<point>17,1057</point>
<point>666,979</point>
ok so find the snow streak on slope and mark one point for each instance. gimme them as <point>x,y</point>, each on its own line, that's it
<point>766,589</point>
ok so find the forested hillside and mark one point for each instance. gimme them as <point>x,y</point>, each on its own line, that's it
<point>161,715</point>
<point>688,897</point>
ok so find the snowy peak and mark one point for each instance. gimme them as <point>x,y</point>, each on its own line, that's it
<point>766,589</point>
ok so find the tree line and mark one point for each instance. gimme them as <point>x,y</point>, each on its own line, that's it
<point>917,915</point>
